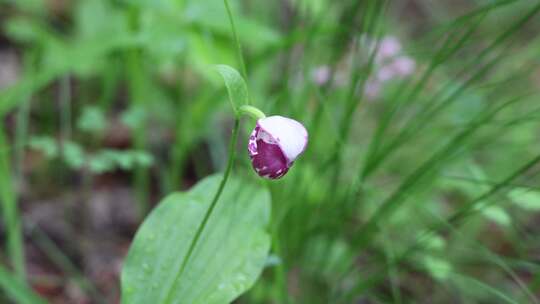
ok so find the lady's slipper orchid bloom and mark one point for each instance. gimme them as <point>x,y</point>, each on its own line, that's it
<point>274,145</point>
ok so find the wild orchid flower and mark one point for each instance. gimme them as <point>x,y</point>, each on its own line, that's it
<point>274,145</point>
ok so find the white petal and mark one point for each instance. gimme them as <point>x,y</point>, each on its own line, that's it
<point>289,134</point>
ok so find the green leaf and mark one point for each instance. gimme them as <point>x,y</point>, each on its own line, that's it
<point>134,117</point>
<point>526,198</point>
<point>142,158</point>
<point>101,163</point>
<point>74,155</point>
<point>17,290</point>
<point>236,86</point>
<point>432,241</point>
<point>108,160</point>
<point>438,268</point>
<point>498,215</point>
<point>44,144</point>
<point>92,120</point>
<point>227,259</point>
<point>27,30</point>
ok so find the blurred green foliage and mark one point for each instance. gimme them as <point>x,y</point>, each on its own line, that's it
<point>427,193</point>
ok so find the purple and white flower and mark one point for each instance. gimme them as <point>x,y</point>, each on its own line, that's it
<point>274,145</point>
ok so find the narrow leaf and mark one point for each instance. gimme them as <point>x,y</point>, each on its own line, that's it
<point>526,199</point>
<point>17,290</point>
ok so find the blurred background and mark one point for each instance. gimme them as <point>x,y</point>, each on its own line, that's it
<point>420,183</point>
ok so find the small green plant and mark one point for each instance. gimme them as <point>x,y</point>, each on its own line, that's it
<point>209,245</point>
<point>418,186</point>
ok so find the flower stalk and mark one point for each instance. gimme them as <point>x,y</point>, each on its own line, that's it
<point>213,204</point>
<point>230,161</point>
<point>251,111</point>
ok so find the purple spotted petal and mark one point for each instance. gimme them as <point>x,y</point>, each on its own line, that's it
<point>274,144</point>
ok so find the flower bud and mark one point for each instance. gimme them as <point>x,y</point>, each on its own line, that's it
<point>274,145</point>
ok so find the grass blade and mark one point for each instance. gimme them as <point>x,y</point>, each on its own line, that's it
<point>10,210</point>
<point>17,289</point>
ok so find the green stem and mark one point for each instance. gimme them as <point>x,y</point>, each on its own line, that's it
<point>200,229</point>
<point>10,210</point>
<point>65,109</point>
<point>16,289</point>
<point>59,258</point>
<point>230,162</point>
<point>22,121</point>
<point>280,275</point>
<point>137,85</point>
<point>237,40</point>
<point>251,111</point>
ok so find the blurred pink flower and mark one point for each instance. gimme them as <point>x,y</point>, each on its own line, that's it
<point>390,64</point>
<point>386,73</point>
<point>388,48</point>
<point>321,75</point>
<point>372,88</point>
<point>403,66</point>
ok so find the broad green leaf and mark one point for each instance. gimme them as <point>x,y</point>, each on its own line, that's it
<point>226,261</point>
<point>236,86</point>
